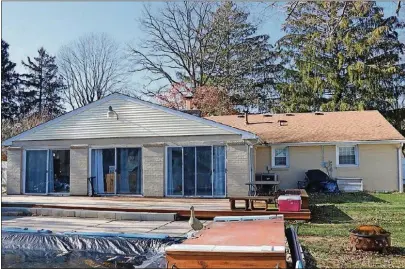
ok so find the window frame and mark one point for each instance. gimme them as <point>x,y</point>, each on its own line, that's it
<point>166,182</point>
<point>273,157</point>
<point>24,170</point>
<point>356,155</point>
<point>116,147</point>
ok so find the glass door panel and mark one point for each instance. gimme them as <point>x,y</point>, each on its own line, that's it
<point>189,171</point>
<point>59,171</point>
<point>204,171</point>
<point>129,169</point>
<point>175,171</point>
<point>218,154</point>
<point>36,171</point>
<point>103,169</point>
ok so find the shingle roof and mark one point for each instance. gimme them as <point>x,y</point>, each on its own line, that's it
<point>309,127</point>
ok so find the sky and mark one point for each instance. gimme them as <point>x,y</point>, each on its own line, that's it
<point>27,26</point>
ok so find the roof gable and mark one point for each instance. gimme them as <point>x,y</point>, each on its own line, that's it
<point>136,118</point>
<point>309,127</point>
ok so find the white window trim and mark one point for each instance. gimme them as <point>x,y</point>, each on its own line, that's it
<point>273,155</point>
<point>356,155</point>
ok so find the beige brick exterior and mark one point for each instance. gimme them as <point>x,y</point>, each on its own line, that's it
<point>237,170</point>
<point>153,172</point>
<point>14,169</point>
<point>78,170</point>
<point>378,165</point>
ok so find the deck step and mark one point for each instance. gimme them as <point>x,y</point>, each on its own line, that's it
<point>82,213</point>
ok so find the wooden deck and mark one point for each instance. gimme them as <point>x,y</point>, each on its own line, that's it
<point>204,208</point>
<point>223,245</point>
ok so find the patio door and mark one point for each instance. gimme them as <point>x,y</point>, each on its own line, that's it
<point>196,171</point>
<point>117,170</point>
<point>47,171</point>
<point>36,171</point>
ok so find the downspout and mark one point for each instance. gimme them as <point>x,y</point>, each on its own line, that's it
<point>400,180</point>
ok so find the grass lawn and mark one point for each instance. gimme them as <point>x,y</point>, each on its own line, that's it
<point>325,239</point>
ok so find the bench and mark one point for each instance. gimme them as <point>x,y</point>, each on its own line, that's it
<point>251,199</point>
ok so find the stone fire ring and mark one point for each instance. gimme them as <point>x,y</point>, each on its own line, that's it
<point>370,238</point>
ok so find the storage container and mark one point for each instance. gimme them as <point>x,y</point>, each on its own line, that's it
<point>289,203</point>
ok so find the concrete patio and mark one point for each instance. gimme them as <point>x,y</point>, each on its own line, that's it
<point>171,228</point>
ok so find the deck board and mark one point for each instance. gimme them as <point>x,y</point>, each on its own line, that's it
<point>204,208</point>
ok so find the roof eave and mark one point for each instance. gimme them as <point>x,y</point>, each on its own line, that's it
<point>333,143</point>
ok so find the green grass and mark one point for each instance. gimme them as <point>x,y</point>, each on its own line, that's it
<point>325,239</point>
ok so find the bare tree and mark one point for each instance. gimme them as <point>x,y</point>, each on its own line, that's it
<point>92,68</point>
<point>13,127</point>
<point>176,48</point>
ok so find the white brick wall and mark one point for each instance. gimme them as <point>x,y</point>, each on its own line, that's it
<point>78,170</point>
<point>153,158</point>
<point>14,162</point>
<point>238,170</point>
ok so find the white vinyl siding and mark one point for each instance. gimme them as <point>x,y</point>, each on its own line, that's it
<point>135,120</point>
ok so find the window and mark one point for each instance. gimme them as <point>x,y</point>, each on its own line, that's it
<point>280,157</point>
<point>347,155</point>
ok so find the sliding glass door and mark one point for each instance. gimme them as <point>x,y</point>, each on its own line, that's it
<point>175,168</point>
<point>189,170</point>
<point>47,171</point>
<point>196,171</point>
<point>204,171</point>
<point>36,171</point>
<point>59,171</point>
<point>129,169</point>
<point>117,170</point>
<point>219,170</point>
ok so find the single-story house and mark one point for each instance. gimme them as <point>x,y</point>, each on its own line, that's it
<point>126,146</point>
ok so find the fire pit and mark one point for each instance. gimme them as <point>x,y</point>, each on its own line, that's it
<point>370,238</point>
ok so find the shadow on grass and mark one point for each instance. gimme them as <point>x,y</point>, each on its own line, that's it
<point>328,214</point>
<point>310,261</point>
<point>399,251</point>
<point>341,198</point>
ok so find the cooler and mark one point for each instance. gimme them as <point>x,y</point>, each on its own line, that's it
<point>289,203</point>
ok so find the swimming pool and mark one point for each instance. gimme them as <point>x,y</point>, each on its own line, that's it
<point>24,248</point>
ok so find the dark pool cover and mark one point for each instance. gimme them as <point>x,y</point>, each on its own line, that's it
<point>67,251</point>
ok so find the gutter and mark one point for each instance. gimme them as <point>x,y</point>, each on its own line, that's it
<point>334,143</point>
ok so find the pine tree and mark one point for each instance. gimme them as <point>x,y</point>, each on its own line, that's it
<point>43,86</point>
<point>339,56</point>
<point>244,63</point>
<point>9,84</point>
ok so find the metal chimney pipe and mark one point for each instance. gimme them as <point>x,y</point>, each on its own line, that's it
<point>188,100</point>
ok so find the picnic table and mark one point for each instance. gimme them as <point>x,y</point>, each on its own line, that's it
<point>257,187</point>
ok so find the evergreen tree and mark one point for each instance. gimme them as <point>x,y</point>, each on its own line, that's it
<point>244,63</point>
<point>339,56</point>
<point>43,86</point>
<point>9,84</point>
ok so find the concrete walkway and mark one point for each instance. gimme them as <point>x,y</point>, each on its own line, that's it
<point>171,228</point>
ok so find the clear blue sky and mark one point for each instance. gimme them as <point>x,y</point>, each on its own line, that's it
<point>27,26</point>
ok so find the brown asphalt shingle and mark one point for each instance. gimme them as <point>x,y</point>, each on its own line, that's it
<point>308,127</point>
